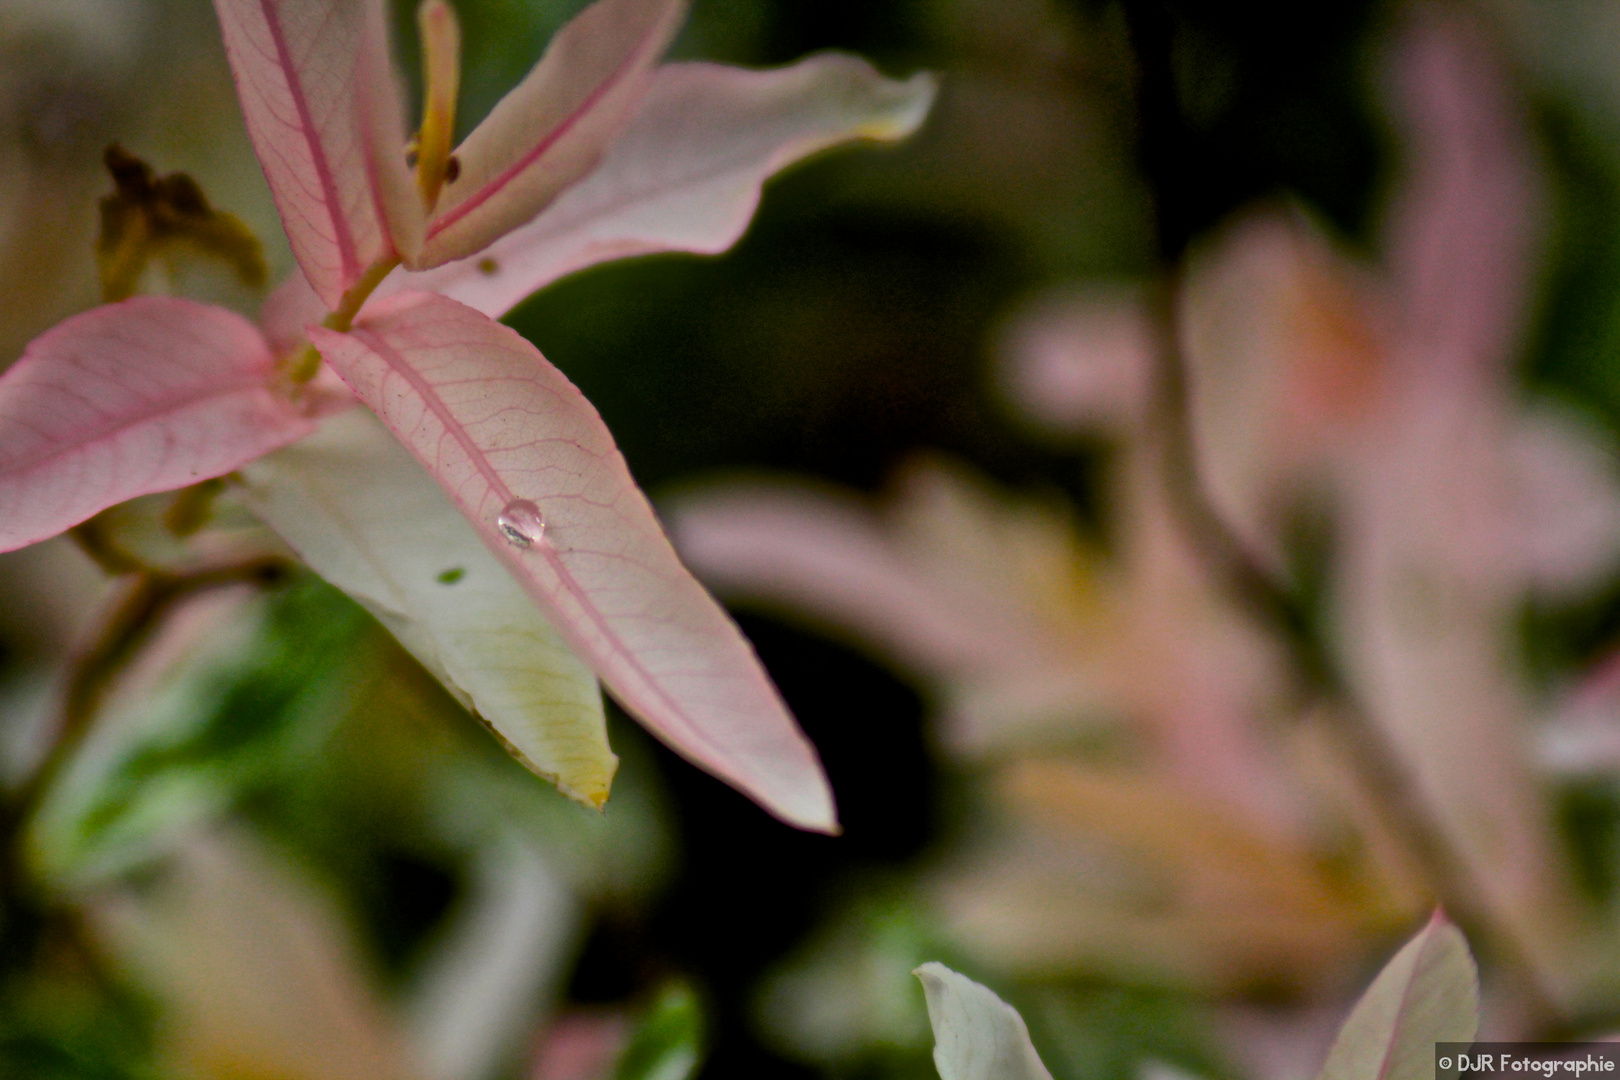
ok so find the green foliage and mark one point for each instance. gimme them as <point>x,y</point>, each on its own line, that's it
<point>54,1029</point>
<point>251,706</point>
<point>1577,333</point>
<point>668,1043</point>
<point>1102,1032</point>
<point>1589,812</point>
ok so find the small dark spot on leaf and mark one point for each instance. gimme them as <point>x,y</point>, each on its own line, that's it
<point>410,158</point>
<point>488,267</point>
<point>452,575</point>
<point>452,169</point>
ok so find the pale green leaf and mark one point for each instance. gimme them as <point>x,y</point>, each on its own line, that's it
<point>1428,993</point>
<point>977,1036</point>
<point>362,513</point>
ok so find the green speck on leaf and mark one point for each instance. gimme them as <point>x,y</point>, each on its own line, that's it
<point>452,575</point>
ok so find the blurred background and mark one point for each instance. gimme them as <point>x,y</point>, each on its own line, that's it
<point>1173,766</point>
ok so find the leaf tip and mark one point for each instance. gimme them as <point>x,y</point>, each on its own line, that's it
<point>589,786</point>
<point>914,100</point>
<point>810,807</point>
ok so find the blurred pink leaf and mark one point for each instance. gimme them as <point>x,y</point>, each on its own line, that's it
<point>1565,502</point>
<point>686,173</point>
<point>1025,632</point>
<point>1269,1041</point>
<point>129,399</point>
<point>1286,357</point>
<point>823,554</point>
<point>1433,558</point>
<point>1460,231</point>
<point>285,314</point>
<point>1394,396</point>
<point>1430,576</point>
<point>1581,737</point>
<point>1077,360</point>
<point>995,601</point>
<point>1390,397</point>
<point>525,457</point>
<point>476,996</point>
<point>581,1045</point>
<point>317,91</point>
<point>1136,872</point>
<point>1027,636</point>
<point>552,128</point>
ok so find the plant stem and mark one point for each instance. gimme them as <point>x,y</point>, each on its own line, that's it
<point>342,317</point>
<point>303,364</point>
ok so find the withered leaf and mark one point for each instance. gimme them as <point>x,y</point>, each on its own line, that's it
<point>148,215</point>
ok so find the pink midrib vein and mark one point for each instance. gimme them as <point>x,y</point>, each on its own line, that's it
<point>317,152</point>
<point>565,577</point>
<point>499,184</point>
<point>1400,1010</point>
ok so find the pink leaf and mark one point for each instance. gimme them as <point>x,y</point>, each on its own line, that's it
<point>686,173</point>
<point>321,106</point>
<point>1079,359</point>
<point>128,399</point>
<point>581,1045</point>
<point>1431,566</point>
<point>504,431</point>
<point>550,130</point>
<point>285,313</point>
<point>825,555</point>
<point>1461,232</point>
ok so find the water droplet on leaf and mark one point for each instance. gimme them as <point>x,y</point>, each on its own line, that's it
<point>520,522</point>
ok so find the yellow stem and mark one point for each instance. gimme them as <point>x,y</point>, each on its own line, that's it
<point>441,63</point>
<point>343,316</point>
<point>302,365</point>
<point>441,77</point>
